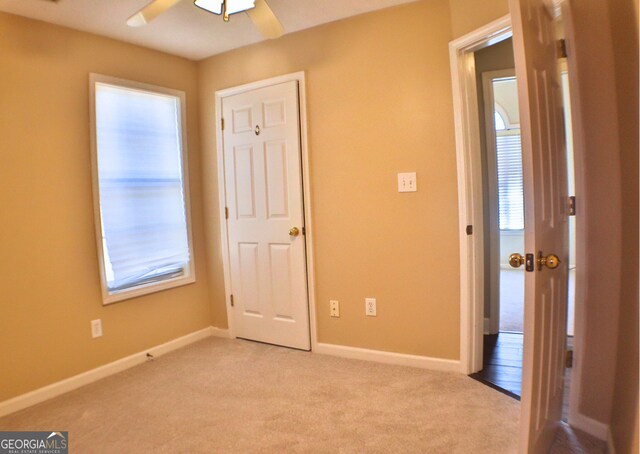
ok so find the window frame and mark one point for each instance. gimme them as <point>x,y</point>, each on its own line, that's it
<point>189,277</point>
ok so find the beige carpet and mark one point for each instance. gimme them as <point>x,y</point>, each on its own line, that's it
<point>512,300</point>
<point>241,397</point>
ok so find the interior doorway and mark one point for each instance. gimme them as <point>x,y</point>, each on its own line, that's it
<point>503,217</point>
<point>504,220</point>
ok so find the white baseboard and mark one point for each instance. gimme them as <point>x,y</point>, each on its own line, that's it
<point>589,425</point>
<point>69,384</point>
<point>399,359</point>
<point>220,332</point>
<point>487,325</point>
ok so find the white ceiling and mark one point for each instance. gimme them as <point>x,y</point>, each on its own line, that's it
<point>186,30</point>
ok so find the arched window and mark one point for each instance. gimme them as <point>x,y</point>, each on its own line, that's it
<point>500,124</point>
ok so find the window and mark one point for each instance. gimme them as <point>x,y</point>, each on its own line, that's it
<point>139,164</point>
<point>499,122</point>
<point>510,185</point>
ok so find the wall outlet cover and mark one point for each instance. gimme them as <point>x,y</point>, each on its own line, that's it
<point>370,307</point>
<point>96,328</point>
<point>334,308</point>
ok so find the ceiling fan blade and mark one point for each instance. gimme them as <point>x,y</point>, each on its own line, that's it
<point>150,12</point>
<point>265,21</point>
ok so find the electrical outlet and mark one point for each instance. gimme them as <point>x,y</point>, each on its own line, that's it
<point>334,307</point>
<point>370,307</point>
<point>96,328</point>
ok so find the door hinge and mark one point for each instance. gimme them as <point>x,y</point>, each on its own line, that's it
<point>561,48</point>
<point>572,205</point>
<point>222,123</point>
<point>231,300</point>
<point>469,230</point>
<point>226,212</point>
<point>568,359</point>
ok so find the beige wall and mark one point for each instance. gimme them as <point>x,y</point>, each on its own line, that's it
<point>506,95</point>
<point>624,420</point>
<point>49,285</point>
<point>606,175</point>
<point>468,15</point>
<point>379,97</point>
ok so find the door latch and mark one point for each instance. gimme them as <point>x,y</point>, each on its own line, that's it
<point>529,262</point>
<point>572,205</point>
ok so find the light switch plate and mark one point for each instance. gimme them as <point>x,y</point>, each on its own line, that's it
<point>407,182</point>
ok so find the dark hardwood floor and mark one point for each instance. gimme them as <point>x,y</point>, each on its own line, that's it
<point>502,360</point>
<point>502,366</point>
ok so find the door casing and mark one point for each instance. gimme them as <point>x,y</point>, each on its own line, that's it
<point>306,192</point>
<point>470,202</point>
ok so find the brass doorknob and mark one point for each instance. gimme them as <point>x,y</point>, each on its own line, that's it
<point>551,261</point>
<point>516,260</point>
<point>294,231</point>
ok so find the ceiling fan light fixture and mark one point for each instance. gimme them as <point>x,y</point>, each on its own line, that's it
<point>233,6</point>
<point>213,6</point>
<point>238,6</point>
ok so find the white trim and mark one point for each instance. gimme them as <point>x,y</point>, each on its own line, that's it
<point>222,204</point>
<point>190,271</point>
<point>220,332</point>
<point>69,384</point>
<point>306,191</point>
<point>467,130</point>
<point>589,425</point>
<point>398,359</point>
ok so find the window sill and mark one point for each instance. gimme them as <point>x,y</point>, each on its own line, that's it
<point>512,232</point>
<point>134,292</point>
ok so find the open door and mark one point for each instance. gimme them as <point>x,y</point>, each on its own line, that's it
<point>546,226</point>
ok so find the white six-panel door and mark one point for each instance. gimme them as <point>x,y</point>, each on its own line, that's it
<point>546,226</point>
<point>263,183</point>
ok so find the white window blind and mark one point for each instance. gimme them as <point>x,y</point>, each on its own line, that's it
<point>510,185</point>
<point>142,207</point>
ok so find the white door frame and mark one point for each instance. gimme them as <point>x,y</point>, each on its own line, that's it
<point>306,193</point>
<point>470,204</point>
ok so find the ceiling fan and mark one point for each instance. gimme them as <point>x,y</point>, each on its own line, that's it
<point>258,10</point>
